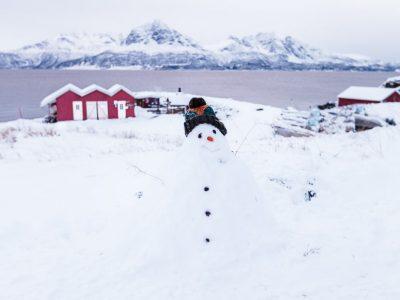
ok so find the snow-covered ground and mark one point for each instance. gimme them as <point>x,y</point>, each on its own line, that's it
<point>82,211</point>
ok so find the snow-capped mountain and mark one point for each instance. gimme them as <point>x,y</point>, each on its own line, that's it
<point>271,47</point>
<point>273,52</point>
<point>158,37</point>
<point>64,47</point>
<point>157,46</point>
<point>74,44</point>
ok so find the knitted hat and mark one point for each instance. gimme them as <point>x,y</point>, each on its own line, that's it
<point>204,119</point>
<point>196,102</point>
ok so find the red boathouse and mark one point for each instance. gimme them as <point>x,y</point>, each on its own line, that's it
<point>92,102</point>
<point>367,95</point>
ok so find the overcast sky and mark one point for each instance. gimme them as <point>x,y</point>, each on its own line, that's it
<point>369,27</point>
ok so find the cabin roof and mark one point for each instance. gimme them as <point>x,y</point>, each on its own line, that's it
<point>52,98</point>
<point>377,94</point>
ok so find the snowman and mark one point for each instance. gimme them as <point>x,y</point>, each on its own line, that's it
<point>214,209</point>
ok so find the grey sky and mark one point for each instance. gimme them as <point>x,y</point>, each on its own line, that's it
<point>369,27</point>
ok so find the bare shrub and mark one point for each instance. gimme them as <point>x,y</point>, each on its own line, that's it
<point>125,135</point>
<point>10,134</point>
<point>46,132</point>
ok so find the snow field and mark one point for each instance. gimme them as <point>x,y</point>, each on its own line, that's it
<point>85,213</point>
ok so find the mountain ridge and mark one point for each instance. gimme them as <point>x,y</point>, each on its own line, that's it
<point>157,46</point>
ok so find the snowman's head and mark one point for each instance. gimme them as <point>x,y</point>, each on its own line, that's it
<point>208,137</point>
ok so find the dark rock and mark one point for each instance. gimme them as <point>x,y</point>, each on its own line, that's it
<point>327,105</point>
<point>50,119</point>
<point>390,122</point>
<point>365,123</point>
<point>310,194</point>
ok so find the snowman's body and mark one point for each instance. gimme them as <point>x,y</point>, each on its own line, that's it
<point>214,205</point>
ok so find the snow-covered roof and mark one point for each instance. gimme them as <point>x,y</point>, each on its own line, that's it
<point>52,98</point>
<point>396,79</point>
<point>377,94</point>
<point>392,82</point>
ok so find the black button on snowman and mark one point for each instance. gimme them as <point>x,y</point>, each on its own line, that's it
<point>207,213</point>
<point>209,132</point>
<point>209,138</point>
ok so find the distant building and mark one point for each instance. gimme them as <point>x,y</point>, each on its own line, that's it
<point>148,102</point>
<point>367,95</point>
<point>92,102</point>
<point>160,103</point>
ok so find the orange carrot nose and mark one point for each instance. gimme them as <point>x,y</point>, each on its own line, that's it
<point>210,139</point>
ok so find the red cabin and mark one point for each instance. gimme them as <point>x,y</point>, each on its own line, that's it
<point>367,95</point>
<point>92,102</point>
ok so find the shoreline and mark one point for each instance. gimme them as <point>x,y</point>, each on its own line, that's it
<point>26,88</point>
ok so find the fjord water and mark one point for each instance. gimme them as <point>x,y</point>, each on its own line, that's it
<point>22,90</point>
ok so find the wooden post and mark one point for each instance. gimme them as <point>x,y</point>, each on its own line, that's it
<point>20,112</point>
<point>168,103</point>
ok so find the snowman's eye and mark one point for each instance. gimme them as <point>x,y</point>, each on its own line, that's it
<point>214,131</point>
<point>200,136</point>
